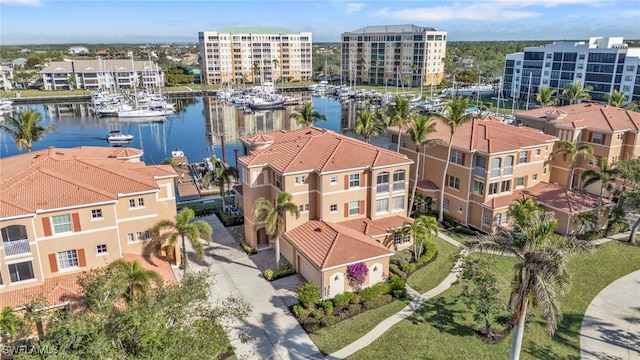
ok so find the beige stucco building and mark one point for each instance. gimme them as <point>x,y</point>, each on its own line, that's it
<point>63,211</point>
<point>352,199</point>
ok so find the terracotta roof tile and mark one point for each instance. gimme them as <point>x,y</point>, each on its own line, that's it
<point>376,227</point>
<point>427,185</point>
<point>590,115</point>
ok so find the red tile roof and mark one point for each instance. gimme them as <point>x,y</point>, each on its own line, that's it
<point>590,115</point>
<point>329,244</point>
<point>427,185</point>
<point>320,150</point>
<point>376,227</point>
<point>55,178</point>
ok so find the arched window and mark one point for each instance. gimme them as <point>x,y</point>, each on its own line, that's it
<point>13,233</point>
<point>398,179</point>
<point>382,184</point>
<point>495,167</point>
<point>508,165</point>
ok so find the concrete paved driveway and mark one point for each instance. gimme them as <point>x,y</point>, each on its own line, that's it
<point>611,324</point>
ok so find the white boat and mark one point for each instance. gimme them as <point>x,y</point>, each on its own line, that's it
<point>117,136</point>
<point>140,113</point>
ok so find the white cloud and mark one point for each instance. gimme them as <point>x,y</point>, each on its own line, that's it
<point>21,2</point>
<point>354,7</point>
<point>480,12</point>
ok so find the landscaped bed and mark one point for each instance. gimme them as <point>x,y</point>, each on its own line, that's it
<point>430,276</point>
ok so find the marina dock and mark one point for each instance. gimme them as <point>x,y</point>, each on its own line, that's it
<point>187,188</point>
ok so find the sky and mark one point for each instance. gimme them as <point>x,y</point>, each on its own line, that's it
<point>124,21</point>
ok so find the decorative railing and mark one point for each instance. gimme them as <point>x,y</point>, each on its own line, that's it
<point>480,171</point>
<point>507,170</point>
<point>495,172</point>
<point>382,188</point>
<point>16,247</point>
<point>398,185</point>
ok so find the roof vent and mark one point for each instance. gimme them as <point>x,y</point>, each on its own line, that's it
<point>320,228</point>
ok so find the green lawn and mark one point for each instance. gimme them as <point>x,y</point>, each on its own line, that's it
<point>336,337</point>
<point>444,329</point>
<point>431,275</point>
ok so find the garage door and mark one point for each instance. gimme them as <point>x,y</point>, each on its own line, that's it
<point>336,284</point>
<point>375,274</point>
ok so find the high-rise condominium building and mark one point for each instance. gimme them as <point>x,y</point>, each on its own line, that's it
<point>384,54</point>
<point>605,63</point>
<point>243,55</point>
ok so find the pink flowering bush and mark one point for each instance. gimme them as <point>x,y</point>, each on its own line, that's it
<point>356,274</point>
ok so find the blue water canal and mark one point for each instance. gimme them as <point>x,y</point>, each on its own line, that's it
<point>197,128</point>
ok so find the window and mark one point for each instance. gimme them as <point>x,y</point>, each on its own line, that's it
<point>478,187</point>
<point>67,259</point>
<point>523,157</point>
<point>460,207</point>
<point>596,138</point>
<point>13,233</point>
<point>399,238</point>
<point>141,202</point>
<point>501,219</point>
<point>96,214</point>
<point>538,151</point>
<point>619,136</point>
<point>333,208</point>
<point>506,186</point>
<point>101,249</point>
<point>139,236</point>
<point>306,207</point>
<point>520,181</point>
<point>382,182</point>
<point>132,203</point>
<point>333,180</point>
<point>397,203</point>
<point>354,180</point>
<point>445,204</point>
<point>354,208</point>
<point>456,157</point>
<point>581,57</point>
<point>630,68</point>
<point>486,218</point>
<point>454,182</point>
<point>21,271</point>
<point>534,177</point>
<point>61,223</point>
<point>382,206</point>
<point>278,179</point>
<point>303,208</point>
<point>299,180</point>
<point>493,188</point>
<point>398,180</point>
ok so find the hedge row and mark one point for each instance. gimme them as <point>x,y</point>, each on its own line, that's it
<point>404,268</point>
<point>273,274</point>
<point>250,250</point>
<point>614,229</point>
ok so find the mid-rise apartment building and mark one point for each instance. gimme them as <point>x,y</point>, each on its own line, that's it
<point>352,199</point>
<point>102,74</point>
<point>63,211</point>
<point>492,164</point>
<point>394,54</point>
<point>242,55</point>
<point>6,78</point>
<point>605,63</point>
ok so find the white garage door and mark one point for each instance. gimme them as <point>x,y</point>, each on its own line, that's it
<point>336,284</point>
<point>375,274</point>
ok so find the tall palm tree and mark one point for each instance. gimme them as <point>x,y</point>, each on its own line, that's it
<point>420,130</point>
<point>456,116</point>
<point>256,70</point>
<point>522,210</point>
<point>398,114</point>
<point>136,279</point>
<point>575,92</point>
<point>276,65</point>
<point>586,221</point>
<point>606,175</point>
<point>368,124</point>
<point>169,233</point>
<point>545,97</point>
<point>570,152</point>
<point>9,322</point>
<point>420,229</point>
<point>616,98</point>
<point>274,217</point>
<point>25,128</point>
<point>540,272</point>
<point>308,115</point>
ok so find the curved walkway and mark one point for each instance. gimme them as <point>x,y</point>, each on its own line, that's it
<point>418,299</point>
<point>611,324</point>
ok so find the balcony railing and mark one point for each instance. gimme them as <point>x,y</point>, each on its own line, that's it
<point>480,171</point>
<point>382,188</point>
<point>507,170</point>
<point>495,172</point>
<point>398,185</point>
<point>16,247</point>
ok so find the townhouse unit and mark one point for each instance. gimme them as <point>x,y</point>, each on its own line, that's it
<point>492,164</point>
<point>605,63</point>
<point>256,55</point>
<point>352,199</point>
<point>102,74</point>
<point>394,54</point>
<point>613,133</point>
<point>63,211</point>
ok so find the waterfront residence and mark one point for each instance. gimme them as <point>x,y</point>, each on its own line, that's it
<point>492,164</point>
<point>385,54</point>
<point>6,78</point>
<point>238,55</point>
<point>64,211</point>
<point>101,74</point>
<point>613,133</point>
<point>352,198</point>
<point>605,63</point>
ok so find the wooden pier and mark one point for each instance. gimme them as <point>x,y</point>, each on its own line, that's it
<point>187,188</point>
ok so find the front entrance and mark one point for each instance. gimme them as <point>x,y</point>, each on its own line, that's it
<point>263,239</point>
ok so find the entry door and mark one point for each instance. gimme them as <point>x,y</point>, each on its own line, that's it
<point>336,284</point>
<point>375,274</point>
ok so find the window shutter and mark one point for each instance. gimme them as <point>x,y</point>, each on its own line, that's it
<point>526,180</point>
<point>76,221</point>
<point>590,136</point>
<point>363,179</point>
<point>346,209</point>
<point>361,207</point>
<point>46,224</point>
<point>463,156</point>
<point>346,182</point>
<point>82,261</point>
<point>529,158</point>
<point>53,263</point>
<point>604,137</point>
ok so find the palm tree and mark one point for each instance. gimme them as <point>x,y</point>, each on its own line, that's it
<point>170,232</point>
<point>256,70</point>
<point>616,98</point>
<point>276,65</point>
<point>9,322</point>
<point>368,124</point>
<point>420,130</point>
<point>308,115</point>
<point>136,279</point>
<point>398,114</point>
<point>540,272</point>
<point>25,128</point>
<point>274,217</point>
<point>522,210</point>
<point>586,221</point>
<point>456,116</point>
<point>575,92</point>
<point>545,97</point>
<point>420,229</point>
<point>220,175</point>
<point>606,175</point>
<point>570,152</point>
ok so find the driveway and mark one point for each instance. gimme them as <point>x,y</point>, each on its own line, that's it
<point>274,332</point>
<point>611,324</point>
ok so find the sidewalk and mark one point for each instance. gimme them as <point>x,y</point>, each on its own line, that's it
<point>274,332</point>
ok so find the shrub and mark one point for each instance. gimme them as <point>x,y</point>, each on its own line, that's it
<point>285,270</point>
<point>401,257</point>
<point>342,299</point>
<point>397,286</point>
<point>329,320</point>
<point>318,314</point>
<point>356,274</point>
<point>409,268</point>
<point>354,309</point>
<point>327,306</point>
<point>375,291</point>
<point>269,274</point>
<point>450,222</point>
<point>299,311</point>
<point>394,269</point>
<point>308,295</point>
<point>465,231</point>
<point>310,324</point>
<point>591,235</point>
<point>377,301</point>
<point>250,250</point>
<point>617,228</point>
<point>355,298</point>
